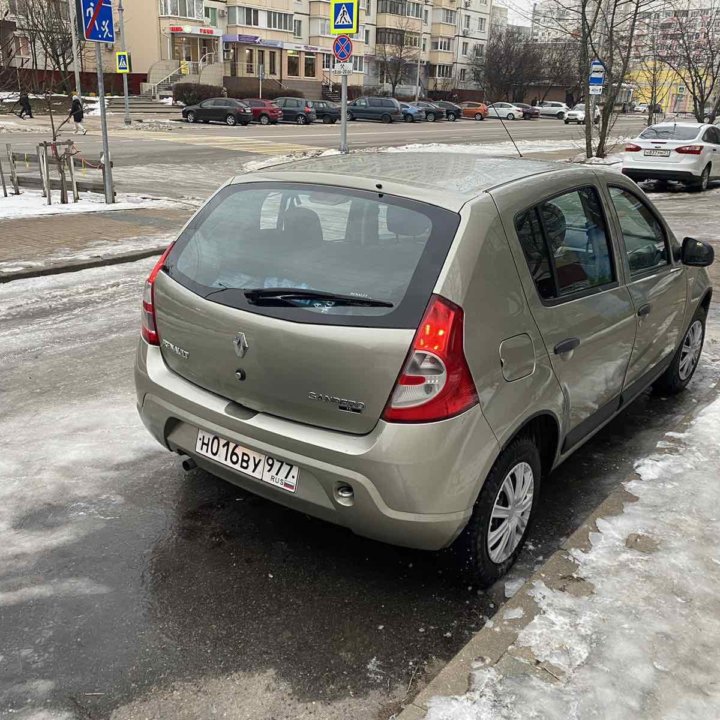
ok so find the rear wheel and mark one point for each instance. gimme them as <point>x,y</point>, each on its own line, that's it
<point>191,117</point>
<point>676,378</point>
<point>702,183</point>
<point>408,118</point>
<point>326,120</point>
<point>452,117</point>
<point>264,119</point>
<point>567,122</point>
<point>301,120</point>
<point>386,119</point>
<point>350,116</point>
<point>230,120</point>
<point>499,524</point>
<point>479,116</point>
<point>430,117</point>
<point>510,116</point>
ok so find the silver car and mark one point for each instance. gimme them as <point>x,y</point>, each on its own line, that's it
<point>406,343</point>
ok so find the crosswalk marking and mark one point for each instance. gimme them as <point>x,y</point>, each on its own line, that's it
<point>248,145</point>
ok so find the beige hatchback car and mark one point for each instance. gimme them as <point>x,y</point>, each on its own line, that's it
<point>405,343</point>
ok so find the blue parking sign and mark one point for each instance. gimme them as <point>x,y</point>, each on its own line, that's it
<point>95,20</point>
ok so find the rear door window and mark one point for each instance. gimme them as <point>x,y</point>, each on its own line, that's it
<point>382,253</point>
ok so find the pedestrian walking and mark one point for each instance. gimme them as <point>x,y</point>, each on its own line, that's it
<point>25,108</point>
<point>77,114</point>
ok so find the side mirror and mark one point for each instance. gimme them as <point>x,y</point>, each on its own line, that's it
<point>697,253</point>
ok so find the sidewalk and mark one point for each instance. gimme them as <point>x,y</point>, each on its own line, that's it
<point>48,244</point>
<point>623,623</point>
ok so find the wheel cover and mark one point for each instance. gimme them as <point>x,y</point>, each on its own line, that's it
<point>690,351</point>
<point>511,512</point>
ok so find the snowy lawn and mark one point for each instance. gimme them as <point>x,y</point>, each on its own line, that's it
<point>646,643</point>
<point>30,203</point>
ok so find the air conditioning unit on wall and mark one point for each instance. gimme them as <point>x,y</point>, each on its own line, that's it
<point>222,13</point>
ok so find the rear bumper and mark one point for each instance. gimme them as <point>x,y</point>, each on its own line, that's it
<point>414,485</point>
<point>638,174</point>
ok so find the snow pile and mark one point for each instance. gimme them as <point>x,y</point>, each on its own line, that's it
<point>92,109</point>
<point>12,126</point>
<point>646,643</point>
<point>32,204</point>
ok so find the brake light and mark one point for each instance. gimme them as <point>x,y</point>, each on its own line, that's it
<point>435,382</point>
<point>148,325</point>
<point>689,149</point>
<point>631,147</point>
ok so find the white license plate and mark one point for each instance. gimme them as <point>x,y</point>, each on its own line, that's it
<point>657,153</point>
<point>262,467</point>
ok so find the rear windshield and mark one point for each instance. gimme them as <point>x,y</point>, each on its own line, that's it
<point>669,132</point>
<point>382,250</point>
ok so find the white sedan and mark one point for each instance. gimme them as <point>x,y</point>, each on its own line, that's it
<point>688,152</point>
<point>505,110</point>
<point>577,115</point>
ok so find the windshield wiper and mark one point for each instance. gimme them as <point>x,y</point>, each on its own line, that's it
<point>295,297</point>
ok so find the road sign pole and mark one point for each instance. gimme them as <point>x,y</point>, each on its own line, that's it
<point>343,115</point>
<point>109,191</point>
<point>121,13</point>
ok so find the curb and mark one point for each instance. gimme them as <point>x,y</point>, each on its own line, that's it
<point>76,265</point>
<point>494,646</point>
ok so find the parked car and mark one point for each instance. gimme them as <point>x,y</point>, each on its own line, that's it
<point>328,112</point>
<point>577,115</point>
<point>550,108</point>
<point>453,111</point>
<point>641,108</point>
<point>412,113</point>
<point>474,110</point>
<point>297,110</point>
<point>688,152</point>
<point>530,112</point>
<point>433,112</point>
<point>225,110</point>
<point>266,112</point>
<point>355,396</point>
<point>384,109</point>
<point>505,110</point>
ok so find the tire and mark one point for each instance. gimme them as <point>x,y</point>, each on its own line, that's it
<point>301,120</point>
<point>326,120</point>
<point>702,183</point>
<point>350,116</point>
<point>560,115</point>
<point>264,119</point>
<point>407,118</point>
<point>452,117</point>
<point>567,122</point>
<point>230,120</point>
<point>430,117</point>
<point>191,118</point>
<point>682,368</point>
<point>385,119</point>
<point>479,116</point>
<point>510,116</point>
<point>333,121</point>
<point>482,560</point>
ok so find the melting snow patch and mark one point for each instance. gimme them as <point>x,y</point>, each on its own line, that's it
<point>375,673</point>
<point>512,586</point>
<point>513,614</point>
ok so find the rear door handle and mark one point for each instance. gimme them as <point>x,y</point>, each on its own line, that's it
<point>644,310</point>
<point>566,345</point>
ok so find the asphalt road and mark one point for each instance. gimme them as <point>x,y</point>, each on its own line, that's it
<point>129,589</point>
<point>180,160</point>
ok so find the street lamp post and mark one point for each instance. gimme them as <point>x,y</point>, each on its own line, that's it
<point>75,43</point>
<point>121,18</point>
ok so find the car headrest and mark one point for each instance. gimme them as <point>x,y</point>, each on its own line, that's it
<point>303,227</point>
<point>402,221</point>
<point>554,221</point>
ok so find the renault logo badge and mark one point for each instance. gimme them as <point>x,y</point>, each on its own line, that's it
<point>241,345</point>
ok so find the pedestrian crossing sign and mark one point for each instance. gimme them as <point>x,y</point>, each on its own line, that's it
<point>343,17</point>
<point>122,62</point>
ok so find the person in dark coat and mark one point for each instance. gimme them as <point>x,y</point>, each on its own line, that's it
<point>77,114</point>
<point>25,108</point>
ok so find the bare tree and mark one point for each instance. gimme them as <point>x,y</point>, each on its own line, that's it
<point>511,63</point>
<point>396,50</point>
<point>655,75</point>
<point>560,66</point>
<point>691,47</point>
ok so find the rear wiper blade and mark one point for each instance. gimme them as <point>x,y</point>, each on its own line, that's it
<point>290,296</point>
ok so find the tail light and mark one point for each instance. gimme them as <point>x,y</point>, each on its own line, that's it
<point>631,147</point>
<point>689,149</point>
<point>435,382</point>
<point>148,327</point>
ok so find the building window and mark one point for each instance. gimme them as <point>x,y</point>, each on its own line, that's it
<point>182,8</point>
<point>481,24</point>
<point>412,40</point>
<point>414,9</point>
<point>358,63</point>
<point>261,62</point>
<point>465,49</point>
<point>367,36</point>
<point>249,67</point>
<point>211,15</point>
<point>243,16</point>
<point>466,21</point>
<point>394,7</point>
<point>389,36</point>
<point>279,21</point>
<point>441,71</point>
<point>325,27</point>
<point>297,28</point>
<point>441,44</point>
<point>272,56</point>
<point>480,50</point>
<point>327,61</point>
<point>463,74</point>
<point>309,65</point>
<point>293,63</point>
<point>424,44</point>
<point>448,16</point>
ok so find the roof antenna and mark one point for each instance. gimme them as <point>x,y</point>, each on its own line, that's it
<point>512,140</point>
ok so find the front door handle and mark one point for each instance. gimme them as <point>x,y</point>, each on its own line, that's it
<point>644,310</point>
<point>566,346</point>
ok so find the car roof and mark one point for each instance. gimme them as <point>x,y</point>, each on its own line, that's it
<point>679,124</point>
<point>440,178</point>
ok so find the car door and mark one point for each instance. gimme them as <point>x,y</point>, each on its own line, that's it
<point>656,281</point>
<point>206,110</point>
<point>712,138</point>
<point>360,108</point>
<point>221,109</point>
<point>568,265</point>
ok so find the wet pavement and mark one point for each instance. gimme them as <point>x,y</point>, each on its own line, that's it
<point>130,589</point>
